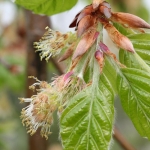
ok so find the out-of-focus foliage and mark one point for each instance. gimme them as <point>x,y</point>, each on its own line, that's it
<point>10,125</point>
<point>47,7</point>
<point>12,81</point>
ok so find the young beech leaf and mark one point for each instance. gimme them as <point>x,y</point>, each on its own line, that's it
<point>87,122</point>
<point>50,7</point>
<point>133,88</point>
<point>133,61</point>
<point>122,30</point>
<point>141,43</point>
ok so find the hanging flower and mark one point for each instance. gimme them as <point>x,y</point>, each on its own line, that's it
<point>49,98</point>
<point>39,113</point>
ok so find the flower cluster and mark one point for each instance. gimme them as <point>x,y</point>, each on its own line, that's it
<point>49,98</point>
<point>84,48</point>
<point>39,112</point>
<point>53,42</point>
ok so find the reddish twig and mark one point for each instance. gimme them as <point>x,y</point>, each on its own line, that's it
<point>14,69</point>
<point>122,141</point>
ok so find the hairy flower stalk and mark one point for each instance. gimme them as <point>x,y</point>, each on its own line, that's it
<point>85,49</point>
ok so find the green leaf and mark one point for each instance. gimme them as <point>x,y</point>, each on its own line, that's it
<point>141,43</point>
<point>87,122</point>
<point>110,72</point>
<point>123,30</point>
<point>131,60</point>
<point>7,79</point>
<point>49,7</point>
<point>133,88</point>
<point>140,37</point>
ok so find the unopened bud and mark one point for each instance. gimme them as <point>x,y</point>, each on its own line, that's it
<point>96,35</point>
<point>98,55</point>
<point>100,59</point>
<point>106,4</point>
<point>103,47</point>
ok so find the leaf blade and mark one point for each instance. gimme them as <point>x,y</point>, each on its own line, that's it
<point>89,116</point>
<point>134,101</point>
<point>47,7</point>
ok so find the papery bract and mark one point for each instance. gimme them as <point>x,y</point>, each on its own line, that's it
<point>86,11</point>
<point>68,53</point>
<point>85,43</point>
<point>85,23</point>
<point>105,10</point>
<point>129,20</point>
<point>119,39</point>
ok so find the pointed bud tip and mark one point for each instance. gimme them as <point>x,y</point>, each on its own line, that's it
<point>67,75</point>
<point>126,44</point>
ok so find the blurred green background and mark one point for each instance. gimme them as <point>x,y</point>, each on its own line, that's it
<point>13,60</point>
